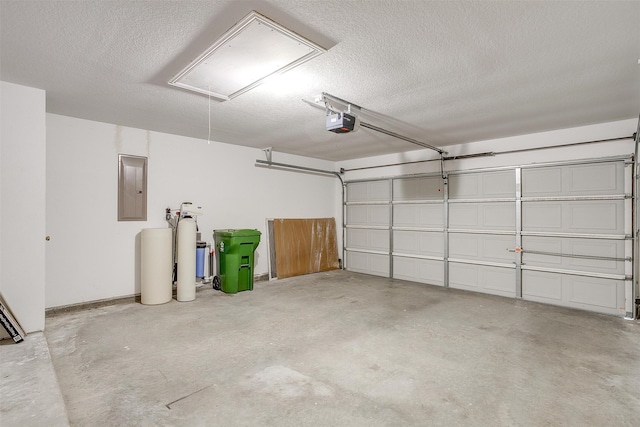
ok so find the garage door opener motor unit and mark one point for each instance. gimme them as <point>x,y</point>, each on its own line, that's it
<point>342,123</point>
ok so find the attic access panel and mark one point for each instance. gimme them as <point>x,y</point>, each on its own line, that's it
<point>253,50</point>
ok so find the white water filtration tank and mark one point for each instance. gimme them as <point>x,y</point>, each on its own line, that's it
<point>155,266</point>
<point>186,288</point>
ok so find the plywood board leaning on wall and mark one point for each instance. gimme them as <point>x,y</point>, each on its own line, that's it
<point>305,246</point>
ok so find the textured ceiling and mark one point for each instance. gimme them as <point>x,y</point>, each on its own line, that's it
<point>440,72</point>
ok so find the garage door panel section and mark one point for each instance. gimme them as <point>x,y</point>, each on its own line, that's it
<point>583,216</point>
<point>368,215</point>
<point>482,278</point>
<point>595,216</point>
<point>498,216</point>
<point>423,188</point>
<point>482,230</point>
<point>599,255</point>
<point>368,239</point>
<point>419,270</point>
<point>420,243</point>
<point>599,179</point>
<point>375,264</point>
<point>587,293</point>
<point>418,216</point>
<point>574,231</point>
<point>482,247</point>
<point>367,219</point>
<point>370,191</point>
<point>486,185</point>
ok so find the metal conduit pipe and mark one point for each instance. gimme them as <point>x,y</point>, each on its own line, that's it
<point>636,228</point>
<point>320,171</point>
<point>489,153</point>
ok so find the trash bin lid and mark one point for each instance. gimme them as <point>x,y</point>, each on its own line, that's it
<point>237,233</point>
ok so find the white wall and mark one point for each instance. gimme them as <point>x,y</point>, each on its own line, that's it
<point>22,203</point>
<point>92,256</point>
<point>623,128</point>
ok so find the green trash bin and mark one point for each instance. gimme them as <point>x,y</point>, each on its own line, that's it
<point>234,258</point>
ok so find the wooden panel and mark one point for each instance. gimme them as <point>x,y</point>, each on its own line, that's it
<point>305,246</point>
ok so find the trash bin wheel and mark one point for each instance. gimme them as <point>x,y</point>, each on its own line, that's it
<point>216,283</point>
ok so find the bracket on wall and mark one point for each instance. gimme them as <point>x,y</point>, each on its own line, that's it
<point>268,152</point>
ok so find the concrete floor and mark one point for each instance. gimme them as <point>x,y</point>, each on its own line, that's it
<point>30,395</point>
<point>346,349</point>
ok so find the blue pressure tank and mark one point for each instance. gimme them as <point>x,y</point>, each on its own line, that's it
<point>201,248</point>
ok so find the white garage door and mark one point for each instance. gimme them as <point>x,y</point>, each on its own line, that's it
<point>576,229</point>
<point>557,233</point>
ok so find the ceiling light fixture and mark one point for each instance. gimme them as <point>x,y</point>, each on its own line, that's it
<point>253,50</point>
